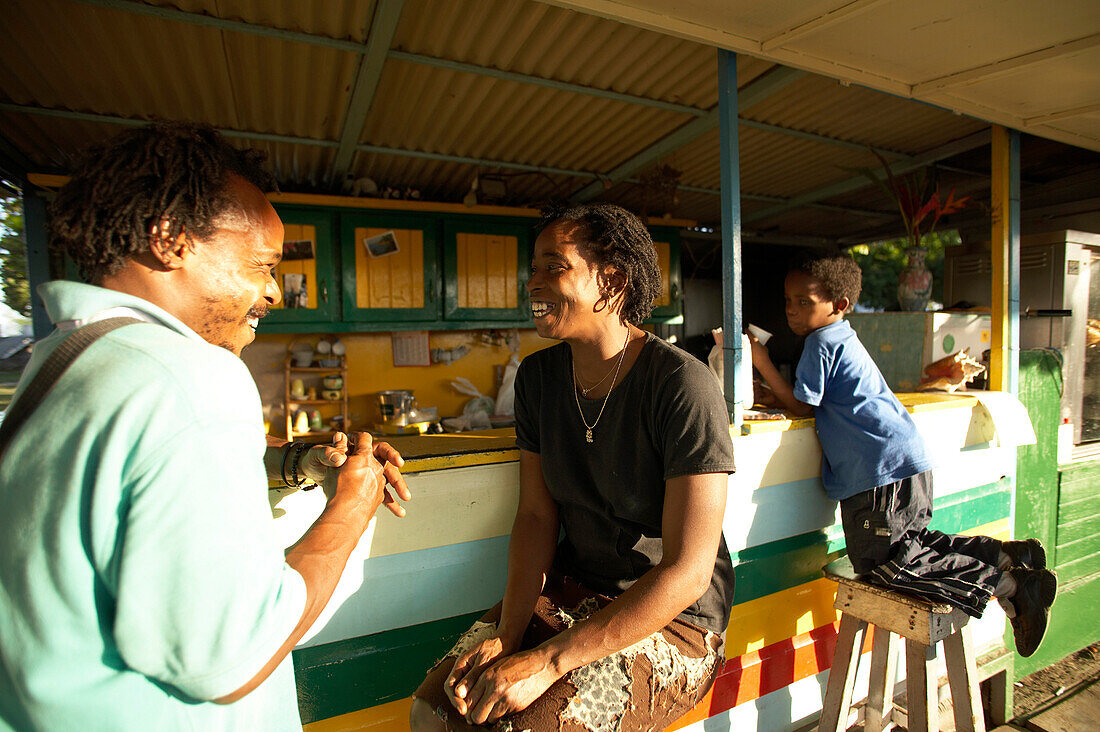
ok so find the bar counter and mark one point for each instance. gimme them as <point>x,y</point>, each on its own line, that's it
<point>424,575</point>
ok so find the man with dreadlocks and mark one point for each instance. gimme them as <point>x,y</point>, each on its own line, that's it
<point>141,586</point>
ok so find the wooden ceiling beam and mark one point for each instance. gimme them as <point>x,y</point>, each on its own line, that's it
<point>950,149</point>
<point>845,11</point>
<point>382,28</point>
<point>1043,119</point>
<point>985,72</point>
<point>759,89</point>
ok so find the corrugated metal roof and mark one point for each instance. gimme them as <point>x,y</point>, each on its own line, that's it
<point>70,55</point>
<point>552,43</point>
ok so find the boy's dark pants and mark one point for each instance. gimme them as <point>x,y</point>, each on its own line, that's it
<point>888,540</point>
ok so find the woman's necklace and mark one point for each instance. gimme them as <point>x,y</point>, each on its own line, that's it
<point>585,390</point>
<point>573,367</point>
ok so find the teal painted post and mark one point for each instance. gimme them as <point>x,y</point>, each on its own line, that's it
<point>731,231</point>
<point>1013,365</point>
<point>38,257</point>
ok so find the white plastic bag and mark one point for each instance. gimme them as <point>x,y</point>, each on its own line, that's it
<point>506,396</point>
<point>716,360</point>
<point>479,403</point>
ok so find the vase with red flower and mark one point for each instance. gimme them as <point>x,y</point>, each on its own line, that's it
<point>915,281</point>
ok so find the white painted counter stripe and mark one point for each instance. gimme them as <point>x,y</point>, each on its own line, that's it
<point>416,587</point>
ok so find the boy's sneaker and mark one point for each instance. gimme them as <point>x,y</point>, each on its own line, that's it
<point>1035,592</point>
<point>1028,553</point>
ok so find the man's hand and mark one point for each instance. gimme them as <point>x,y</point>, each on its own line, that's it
<point>392,461</point>
<point>509,686</point>
<point>321,462</point>
<point>367,469</point>
<point>468,668</point>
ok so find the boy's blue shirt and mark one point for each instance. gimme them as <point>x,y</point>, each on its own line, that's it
<point>867,437</point>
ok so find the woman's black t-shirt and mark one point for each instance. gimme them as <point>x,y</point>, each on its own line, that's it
<point>667,418</point>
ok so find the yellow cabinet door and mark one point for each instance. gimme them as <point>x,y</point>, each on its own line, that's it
<point>669,304</point>
<point>390,267</point>
<point>485,271</point>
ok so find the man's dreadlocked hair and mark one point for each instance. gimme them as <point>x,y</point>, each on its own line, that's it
<point>614,236</point>
<point>167,172</point>
<point>839,274</point>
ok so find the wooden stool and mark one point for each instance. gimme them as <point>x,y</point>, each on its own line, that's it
<point>923,625</point>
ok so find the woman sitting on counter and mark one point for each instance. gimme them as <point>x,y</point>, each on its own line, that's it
<point>624,453</point>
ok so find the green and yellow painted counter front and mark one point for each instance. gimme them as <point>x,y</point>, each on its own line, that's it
<point>414,584</point>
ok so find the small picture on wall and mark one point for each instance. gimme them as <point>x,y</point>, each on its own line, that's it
<point>295,292</point>
<point>381,245</point>
<point>298,249</point>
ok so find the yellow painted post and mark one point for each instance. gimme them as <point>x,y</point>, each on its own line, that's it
<point>1005,242</point>
<point>999,241</point>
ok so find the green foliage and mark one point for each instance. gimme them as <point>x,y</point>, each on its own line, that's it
<point>883,261</point>
<point>13,256</point>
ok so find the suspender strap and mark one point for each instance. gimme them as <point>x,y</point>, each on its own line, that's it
<point>55,366</point>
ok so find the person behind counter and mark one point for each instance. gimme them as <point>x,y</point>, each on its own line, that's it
<point>142,584</point>
<point>625,451</point>
<point>875,463</point>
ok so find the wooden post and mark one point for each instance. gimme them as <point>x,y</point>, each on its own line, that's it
<point>1000,697</point>
<point>729,158</point>
<point>880,691</point>
<point>962,675</point>
<point>842,676</point>
<point>1005,241</point>
<point>924,707</point>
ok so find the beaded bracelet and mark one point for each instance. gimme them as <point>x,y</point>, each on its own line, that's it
<point>300,448</point>
<point>289,447</point>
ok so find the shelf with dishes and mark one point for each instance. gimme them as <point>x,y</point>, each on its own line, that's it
<point>315,377</point>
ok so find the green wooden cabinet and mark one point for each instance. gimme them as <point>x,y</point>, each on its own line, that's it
<point>306,274</point>
<point>670,304</point>
<point>348,270</point>
<point>485,269</point>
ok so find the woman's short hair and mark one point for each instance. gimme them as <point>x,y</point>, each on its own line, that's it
<point>165,172</point>
<point>615,237</point>
<point>839,274</point>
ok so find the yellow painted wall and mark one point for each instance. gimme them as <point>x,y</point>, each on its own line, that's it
<point>371,369</point>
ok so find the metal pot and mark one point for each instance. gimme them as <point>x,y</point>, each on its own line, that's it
<point>394,406</point>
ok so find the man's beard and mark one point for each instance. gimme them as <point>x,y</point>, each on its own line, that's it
<point>256,311</point>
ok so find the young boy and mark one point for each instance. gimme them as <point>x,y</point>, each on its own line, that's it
<point>876,464</point>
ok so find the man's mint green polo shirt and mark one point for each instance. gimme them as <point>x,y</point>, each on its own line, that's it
<point>139,572</point>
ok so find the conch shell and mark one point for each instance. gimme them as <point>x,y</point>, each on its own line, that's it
<point>950,373</point>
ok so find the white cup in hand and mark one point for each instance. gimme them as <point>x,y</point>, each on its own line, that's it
<point>759,333</point>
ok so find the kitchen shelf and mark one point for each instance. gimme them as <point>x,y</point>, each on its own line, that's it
<point>313,372</point>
